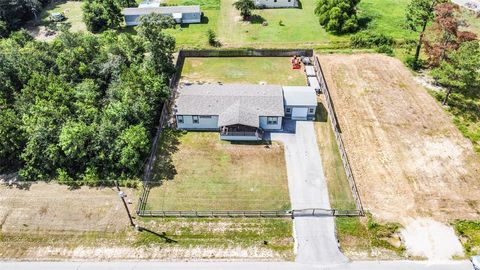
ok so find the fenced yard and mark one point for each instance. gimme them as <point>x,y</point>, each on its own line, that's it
<point>270,70</point>
<point>209,174</point>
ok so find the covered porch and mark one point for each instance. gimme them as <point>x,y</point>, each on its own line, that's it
<point>239,132</point>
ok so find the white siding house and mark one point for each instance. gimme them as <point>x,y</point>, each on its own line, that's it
<point>238,111</point>
<point>181,14</point>
<point>200,122</point>
<point>276,3</point>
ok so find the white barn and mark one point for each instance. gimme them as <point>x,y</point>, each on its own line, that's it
<point>241,112</point>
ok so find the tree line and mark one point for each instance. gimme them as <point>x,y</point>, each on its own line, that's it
<point>83,108</point>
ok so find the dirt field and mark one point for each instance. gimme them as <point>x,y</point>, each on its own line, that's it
<point>54,207</point>
<point>50,222</point>
<point>408,158</point>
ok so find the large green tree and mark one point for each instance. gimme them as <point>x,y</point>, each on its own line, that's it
<point>245,7</point>
<point>418,14</point>
<point>461,73</point>
<point>82,108</point>
<point>100,15</point>
<point>338,16</point>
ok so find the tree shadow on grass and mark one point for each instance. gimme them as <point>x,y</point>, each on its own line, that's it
<point>167,146</point>
<point>256,19</point>
<point>204,20</point>
<point>363,22</point>
<point>321,115</point>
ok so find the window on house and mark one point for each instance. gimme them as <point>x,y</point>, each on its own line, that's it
<point>195,119</point>
<point>180,119</point>
<point>311,110</point>
<point>289,1</point>
<point>205,116</point>
<point>288,110</point>
<point>272,120</point>
<point>274,1</point>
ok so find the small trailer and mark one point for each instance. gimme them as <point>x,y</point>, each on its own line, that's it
<point>310,71</point>
<point>313,82</point>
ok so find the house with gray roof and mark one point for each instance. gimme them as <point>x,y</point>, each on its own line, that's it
<point>181,14</point>
<point>240,111</point>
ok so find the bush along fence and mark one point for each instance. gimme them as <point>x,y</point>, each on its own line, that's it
<point>338,136</point>
<point>165,116</point>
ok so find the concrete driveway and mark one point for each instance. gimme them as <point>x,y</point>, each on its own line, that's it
<point>315,239</point>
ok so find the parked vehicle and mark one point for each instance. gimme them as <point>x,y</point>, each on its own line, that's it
<point>57,17</point>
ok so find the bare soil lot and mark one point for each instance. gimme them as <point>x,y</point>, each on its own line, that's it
<point>408,158</point>
<point>47,207</point>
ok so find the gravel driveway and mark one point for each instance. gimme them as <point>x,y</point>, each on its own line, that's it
<point>315,239</point>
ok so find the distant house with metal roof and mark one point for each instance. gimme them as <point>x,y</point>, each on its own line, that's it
<point>241,111</point>
<point>181,14</point>
<point>276,3</point>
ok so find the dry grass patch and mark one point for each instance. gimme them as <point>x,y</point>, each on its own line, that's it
<point>211,174</point>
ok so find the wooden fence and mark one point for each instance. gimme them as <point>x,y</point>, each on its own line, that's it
<point>247,53</point>
<point>338,136</point>
<point>165,117</point>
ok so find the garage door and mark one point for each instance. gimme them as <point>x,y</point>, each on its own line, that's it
<point>299,113</point>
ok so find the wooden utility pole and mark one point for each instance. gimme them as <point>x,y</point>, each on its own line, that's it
<point>122,196</point>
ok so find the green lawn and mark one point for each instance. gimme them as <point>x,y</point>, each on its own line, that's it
<point>299,27</point>
<point>210,174</point>
<point>236,238</point>
<point>339,190</point>
<point>288,27</point>
<point>465,111</point>
<point>469,233</point>
<point>385,16</point>
<point>72,11</point>
<point>364,237</point>
<point>271,70</point>
<point>195,35</point>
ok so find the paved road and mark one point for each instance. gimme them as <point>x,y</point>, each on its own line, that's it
<point>375,265</point>
<point>315,239</point>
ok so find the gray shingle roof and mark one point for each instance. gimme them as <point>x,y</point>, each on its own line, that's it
<point>161,10</point>
<point>233,103</point>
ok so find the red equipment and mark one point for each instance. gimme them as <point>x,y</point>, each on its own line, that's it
<point>296,63</point>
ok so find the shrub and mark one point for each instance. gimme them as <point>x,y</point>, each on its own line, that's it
<point>212,38</point>
<point>3,29</point>
<point>371,40</point>
<point>386,49</point>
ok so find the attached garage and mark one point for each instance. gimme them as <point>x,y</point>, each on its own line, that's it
<point>299,113</point>
<point>300,102</point>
